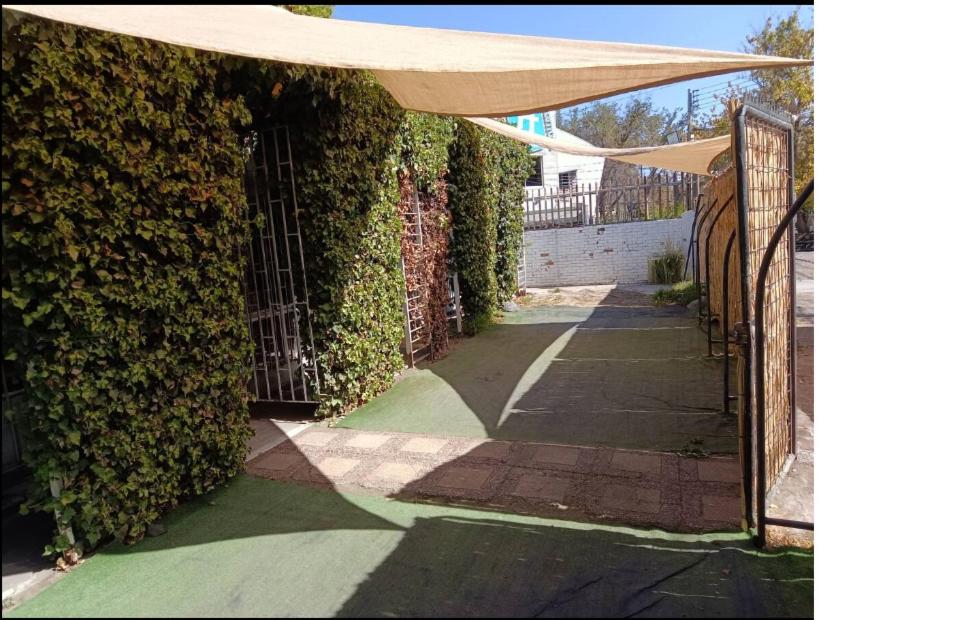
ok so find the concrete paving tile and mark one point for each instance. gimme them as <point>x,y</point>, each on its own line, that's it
<point>424,445</point>
<point>280,461</point>
<point>718,470</point>
<point>559,455</point>
<point>471,478</point>
<point>491,450</point>
<point>636,462</point>
<point>720,508</point>
<point>335,466</point>
<point>537,486</point>
<point>631,498</point>
<point>394,472</point>
<point>367,441</point>
<point>314,439</point>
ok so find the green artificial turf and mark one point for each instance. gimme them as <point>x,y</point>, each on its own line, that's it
<point>266,548</point>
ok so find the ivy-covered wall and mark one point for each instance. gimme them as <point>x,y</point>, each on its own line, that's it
<point>352,144</point>
<point>486,178</point>
<point>513,166</point>
<point>471,191</point>
<point>123,213</point>
<point>123,209</point>
<point>424,141</point>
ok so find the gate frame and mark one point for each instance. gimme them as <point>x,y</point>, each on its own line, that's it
<point>749,331</point>
<point>276,211</point>
<point>786,223</point>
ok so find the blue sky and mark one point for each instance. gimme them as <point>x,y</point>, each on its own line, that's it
<point>708,27</point>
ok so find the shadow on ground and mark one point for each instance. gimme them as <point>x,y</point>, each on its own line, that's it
<point>260,547</point>
<point>616,375</point>
<point>263,547</point>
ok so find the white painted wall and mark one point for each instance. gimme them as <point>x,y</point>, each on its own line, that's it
<point>600,254</point>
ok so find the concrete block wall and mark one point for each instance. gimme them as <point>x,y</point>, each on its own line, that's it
<point>600,254</point>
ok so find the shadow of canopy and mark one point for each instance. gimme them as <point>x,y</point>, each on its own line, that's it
<point>630,376</point>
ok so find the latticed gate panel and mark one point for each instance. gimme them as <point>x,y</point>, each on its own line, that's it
<point>767,192</point>
<point>717,222</point>
<point>275,286</point>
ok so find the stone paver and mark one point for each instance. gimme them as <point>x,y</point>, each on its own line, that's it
<point>424,445</point>
<point>368,441</point>
<point>492,450</point>
<point>720,508</point>
<point>335,467</point>
<point>634,487</point>
<point>636,462</point>
<point>471,478</point>
<point>560,455</point>
<point>537,486</point>
<point>279,461</point>
<point>313,438</point>
<point>394,472</point>
<point>630,497</point>
<point>716,470</point>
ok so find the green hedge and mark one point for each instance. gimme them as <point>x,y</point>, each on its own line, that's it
<point>486,179</point>
<point>347,182</point>
<point>123,213</point>
<point>514,166</point>
<point>425,140</point>
<point>123,209</point>
<point>472,197</point>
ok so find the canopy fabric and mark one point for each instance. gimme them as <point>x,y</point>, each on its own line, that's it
<point>426,69</point>
<point>694,156</point>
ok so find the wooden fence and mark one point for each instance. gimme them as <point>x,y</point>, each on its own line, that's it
<point>660,196</point>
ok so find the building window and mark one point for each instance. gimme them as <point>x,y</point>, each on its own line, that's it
<point>568,180</point>
<point>536,178</point>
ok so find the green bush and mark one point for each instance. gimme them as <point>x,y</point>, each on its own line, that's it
<point>123,219</point>
<point>347,178</point>
<point>473,203</point>
<point>424,148</point>
<point>313,10</point>
<point>681,293</point>
<point>486,179</point>
<point>123,212</point>
<point>513,166</point>
<point>666,267</point>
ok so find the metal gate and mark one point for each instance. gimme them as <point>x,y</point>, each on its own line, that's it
<point>743,248</point>
<point>275,285</point>
<point>763,153</point>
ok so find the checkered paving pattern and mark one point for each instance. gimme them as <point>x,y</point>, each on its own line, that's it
<point>631,487</point>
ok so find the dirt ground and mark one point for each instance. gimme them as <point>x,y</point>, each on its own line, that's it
<point>611,295</point>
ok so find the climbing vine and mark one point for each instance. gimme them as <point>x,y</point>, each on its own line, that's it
<point>487,174</point>
<point>122,210</point>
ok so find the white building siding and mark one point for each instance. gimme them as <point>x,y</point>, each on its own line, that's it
<point>588,169</point>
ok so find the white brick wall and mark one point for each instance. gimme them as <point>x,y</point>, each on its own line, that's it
<point>600,254</point>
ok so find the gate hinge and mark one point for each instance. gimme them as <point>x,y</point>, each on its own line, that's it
<point>741,334</point>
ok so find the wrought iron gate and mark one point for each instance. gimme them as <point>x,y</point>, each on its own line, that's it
<point>275,285</point>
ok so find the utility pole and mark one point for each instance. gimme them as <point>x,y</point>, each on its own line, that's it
<point>689,137</point>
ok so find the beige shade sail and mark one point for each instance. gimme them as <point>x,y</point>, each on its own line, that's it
<point>692,156</point>
<point>426,69</point>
